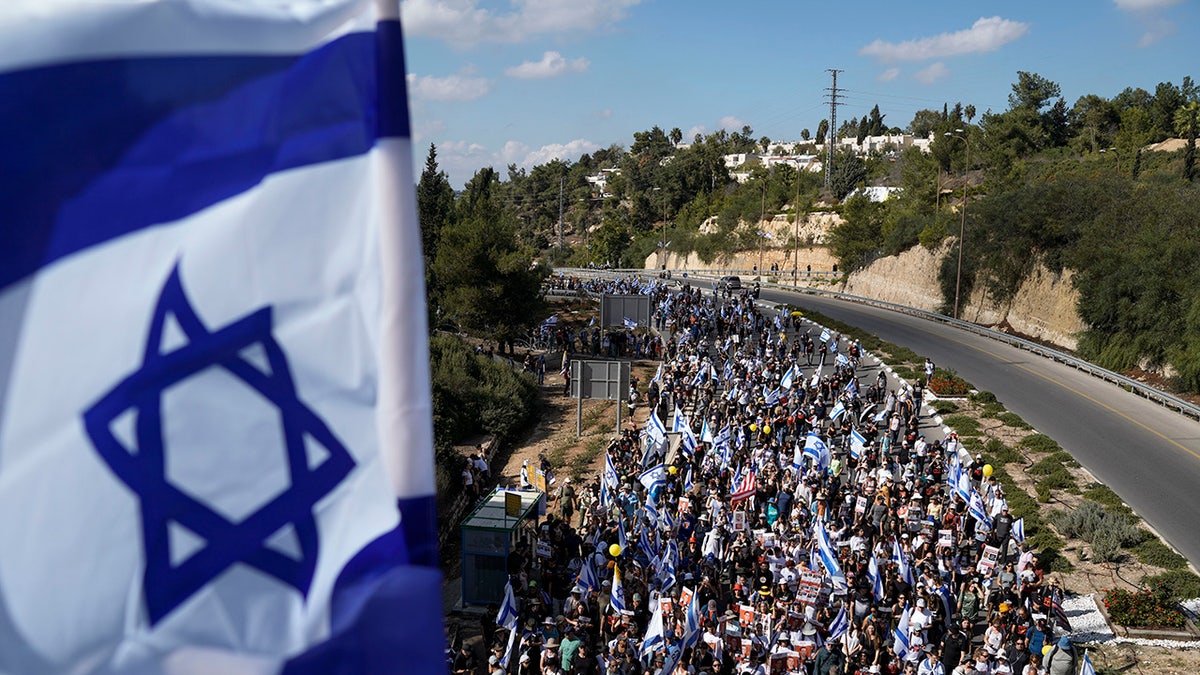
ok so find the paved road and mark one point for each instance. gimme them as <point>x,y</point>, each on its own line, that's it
<point>1147,454</point>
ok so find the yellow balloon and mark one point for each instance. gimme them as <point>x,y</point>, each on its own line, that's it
<point>987,470</point>
<point>1004,608</point>
<point>1046,650</point>
<point>766,428</point>
<point>673,470</point>
<point>614,550</point>
<point>753,427</point>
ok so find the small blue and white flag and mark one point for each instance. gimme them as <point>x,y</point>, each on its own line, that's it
<point>630,323</point>
<point>687,439</point>
<point>771,398</point>
<point>816,448</point>
<point>976,509</point>
<point>654,639</point>
<point>214,364</point>
<point>622,538</point>
<point>833,347</point>
<point>900,635</point>
<point>551,322</point>
<point>858,444</point>
<point>706,435</point>
<point>785,383</point>
<point>617,601</point>
<point>841,360</point>
<point>839,409</point>
<point>507,616</point>
<point>1087,668</point>
<point>691,621</point>
<point>654,478</point>
<point>852,388</point>
<point>840,624</point>
<point>1018,530</point>
<point>825,336</point>
<point>587,577</point>
<point>875,578</point>
<point>828,556</point>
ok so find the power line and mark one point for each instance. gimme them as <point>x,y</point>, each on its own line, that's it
<point>831,137</point>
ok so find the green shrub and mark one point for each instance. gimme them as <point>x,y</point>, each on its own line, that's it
<point>1176,584</point>
<point>906,373</point>
<point>1153,552</point>
<point>944,407</point>
<point>1107,532</point>
<point>991,410</point>
<point>973,444</point>
<point>964,425</point>
<point>1102,494</point>
<point>998,454</point>
<point>1013,420</point>
<point>1039,443</point>
<point>983,397</point>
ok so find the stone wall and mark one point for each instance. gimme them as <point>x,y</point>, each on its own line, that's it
<point>1043,306</point>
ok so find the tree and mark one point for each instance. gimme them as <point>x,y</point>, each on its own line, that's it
<point>435,208</point>
<point>676,136</point>
<point>1032,92</point>
<point>848,173</point>
<point>765,142</point>
<point>1189,153</point>
<point>925,122</point>
<point>805,135</point>
<point>969,111</point>
<point>822,130</point>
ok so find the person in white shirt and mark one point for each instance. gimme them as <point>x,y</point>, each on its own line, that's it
<point>931,664</point>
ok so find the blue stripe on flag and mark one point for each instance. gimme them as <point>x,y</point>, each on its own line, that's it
<point>83,165</point>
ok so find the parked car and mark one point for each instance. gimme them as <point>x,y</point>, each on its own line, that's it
<point>729,283</point>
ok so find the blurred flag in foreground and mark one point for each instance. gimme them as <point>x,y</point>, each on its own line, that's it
<point>215,418</point>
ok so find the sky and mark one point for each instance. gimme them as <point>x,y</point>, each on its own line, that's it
<point>499,82</point>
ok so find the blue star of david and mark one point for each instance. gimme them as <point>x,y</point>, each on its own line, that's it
<point>143,468</point>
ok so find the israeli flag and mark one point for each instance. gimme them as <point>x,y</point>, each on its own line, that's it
<point>550,322</point>
<point>706,435</point>
<point>654,478</point>
<point>216,440</point>
<point>858,444</point>
<point>1018,530</point>
<point>771,397</point>
<point>875,577</point>
<point>828,556</point>
<point>785,383</point>
<point>654,639</point>
<point>815,448</point>
<point>630,323</point>
<point>617,601</point>
<point>610,477</point>
<point>833,347</point>
<point>622,538</point>
<point>691,621</point>
<point>507,616</point>
<point>839,409</point>
<point>682,426</point>
<point>825,336</point>
<point>852,388</point>
<point>900,635</point>
<point>840,359</point>
<point>840,624</point>
<point>587,577</point>
<point>1087,668</point>
<point>977,511</point>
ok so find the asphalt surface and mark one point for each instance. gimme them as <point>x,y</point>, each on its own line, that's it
<point>1149,455</point>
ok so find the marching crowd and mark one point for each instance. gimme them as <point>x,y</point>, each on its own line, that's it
<point>780,511</point>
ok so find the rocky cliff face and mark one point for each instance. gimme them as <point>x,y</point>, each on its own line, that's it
<point>1043,307</point>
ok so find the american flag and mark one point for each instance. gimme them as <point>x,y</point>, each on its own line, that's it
<point>746,488</point>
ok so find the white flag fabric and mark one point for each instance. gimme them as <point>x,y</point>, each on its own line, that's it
<point>654,638</point>
<point>214,369</point>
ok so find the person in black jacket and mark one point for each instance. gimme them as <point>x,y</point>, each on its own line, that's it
<point>956,643</point>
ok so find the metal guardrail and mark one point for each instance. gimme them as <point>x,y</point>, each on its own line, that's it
<point>1153,394</point>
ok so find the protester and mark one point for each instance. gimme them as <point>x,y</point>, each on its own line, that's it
<point>772,516</point>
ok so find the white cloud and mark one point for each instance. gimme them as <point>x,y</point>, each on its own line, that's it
<point>985,35</point>
<point>460,87</point>
<point>1157,28</point>
<point>932,73</point>
<point>1142,5</point>
<point>889,75</point>
<point>465,23</point>
<point>552,65</point>
<point>425,130</point>
<point>513,152</point>
<point>730,123</point>
<point>572,151</point>
<point>690,134</point>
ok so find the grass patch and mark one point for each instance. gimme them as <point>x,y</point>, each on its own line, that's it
<point>1102,494</point>
<point>964,425</point>
<point>1177,584</point>
<point>597,414</point>
<point>973,444</point>
<point>558,454</point>
<point>1039,535</point>
<point>1012,419</point>
<point>1000,454</point>
<point>1153,552</point>
<point>906,373</point>
<point>991,409</point>
<point>944,407</point>
<point>581,462</point>
<point>1107,532</point>
<point>1040,443</point>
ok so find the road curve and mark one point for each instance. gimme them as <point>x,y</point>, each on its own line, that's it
<point>1149,455</point>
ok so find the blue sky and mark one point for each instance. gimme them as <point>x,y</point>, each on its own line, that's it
<point>493,82</point>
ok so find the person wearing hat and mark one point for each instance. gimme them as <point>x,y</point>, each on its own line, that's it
<point>931,664</point>
<point>1061,659</point>
<point>465,662</point>
<point>956,643</point>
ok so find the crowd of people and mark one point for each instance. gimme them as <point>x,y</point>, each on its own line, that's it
<point>781,510</point>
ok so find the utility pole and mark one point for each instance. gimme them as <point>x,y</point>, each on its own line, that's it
<point>561,180</point>
<point>831,138</point>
